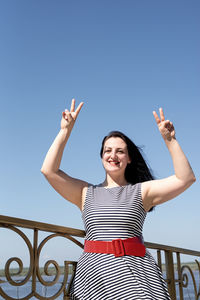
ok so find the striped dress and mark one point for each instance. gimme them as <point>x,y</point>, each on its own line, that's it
<point>111,213</point>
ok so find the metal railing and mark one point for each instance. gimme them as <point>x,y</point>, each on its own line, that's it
<point>177,275</point>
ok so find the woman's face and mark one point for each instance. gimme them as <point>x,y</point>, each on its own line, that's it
<point>115,155</point>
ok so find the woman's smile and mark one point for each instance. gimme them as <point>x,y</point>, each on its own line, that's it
<point>113,162</point>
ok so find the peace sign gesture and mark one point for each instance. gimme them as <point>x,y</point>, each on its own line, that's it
<point>69,117</point>
<point>165,127</point>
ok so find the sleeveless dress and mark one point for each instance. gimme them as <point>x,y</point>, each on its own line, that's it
<point>111,213</point>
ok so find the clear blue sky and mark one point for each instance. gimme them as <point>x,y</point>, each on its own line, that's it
<point>124,59</point>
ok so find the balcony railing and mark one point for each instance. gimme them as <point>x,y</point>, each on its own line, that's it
<point>180,277</point>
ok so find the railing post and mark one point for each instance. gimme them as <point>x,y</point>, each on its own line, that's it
<point>180,283</point>
<point>35,258</point>
<point>159,260</point>
<point>170,274</point>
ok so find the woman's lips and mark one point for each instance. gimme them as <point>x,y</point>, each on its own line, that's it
<point>113,163</point>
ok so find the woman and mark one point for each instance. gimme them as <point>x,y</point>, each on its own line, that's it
<point>115,264</point>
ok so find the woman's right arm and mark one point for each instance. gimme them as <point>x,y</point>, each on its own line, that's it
<point>68,187</point>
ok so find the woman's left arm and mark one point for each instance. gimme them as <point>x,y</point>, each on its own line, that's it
<point>158,191</point>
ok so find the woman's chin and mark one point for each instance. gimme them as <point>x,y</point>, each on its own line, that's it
<point>114,170</point>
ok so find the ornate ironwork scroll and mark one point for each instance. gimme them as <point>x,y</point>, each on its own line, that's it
<point>56,266</point>
<point>33,275</point>
<point>185,269</point>
<point>20,265</point>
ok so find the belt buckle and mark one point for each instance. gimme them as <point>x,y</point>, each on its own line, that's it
<point>118,247</point>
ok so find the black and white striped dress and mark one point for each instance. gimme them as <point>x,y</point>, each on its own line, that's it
<point>111,213</point>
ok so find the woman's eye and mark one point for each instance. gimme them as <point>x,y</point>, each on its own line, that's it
<point>106,151</point>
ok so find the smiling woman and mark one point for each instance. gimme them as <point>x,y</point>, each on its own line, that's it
<point>115,158</point>
<point>114,213</point>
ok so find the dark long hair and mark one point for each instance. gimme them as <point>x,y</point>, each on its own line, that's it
<point>137,170</point>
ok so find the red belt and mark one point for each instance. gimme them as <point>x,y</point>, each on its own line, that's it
<point>131,246</point>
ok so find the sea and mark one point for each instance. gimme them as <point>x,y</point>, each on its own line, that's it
<point>48,292</point>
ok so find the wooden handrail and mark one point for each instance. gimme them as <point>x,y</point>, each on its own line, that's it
<point>23,223</point>
<point>172,249</point>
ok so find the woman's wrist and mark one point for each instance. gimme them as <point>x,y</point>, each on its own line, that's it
<point>171,143</point>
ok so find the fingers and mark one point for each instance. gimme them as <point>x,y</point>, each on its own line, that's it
<point>73,113</point>
<point>72,105</point>
<point>169,125</point>
<point>162,117</point>
<point>79,108</point>
<point>156,117</point>
<point>67,115</point>
<point>72,109</point>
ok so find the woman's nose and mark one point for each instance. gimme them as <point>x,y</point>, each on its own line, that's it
<point>113,154</point>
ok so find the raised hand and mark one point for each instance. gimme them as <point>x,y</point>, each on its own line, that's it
<point>165,127</point>
<point>69,117</point>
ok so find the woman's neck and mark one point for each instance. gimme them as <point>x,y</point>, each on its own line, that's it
<point>112,182</point>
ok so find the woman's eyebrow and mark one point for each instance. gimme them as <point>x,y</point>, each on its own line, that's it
<point>116,148</point>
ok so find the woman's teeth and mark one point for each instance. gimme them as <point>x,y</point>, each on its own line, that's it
<point>114,162</point>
